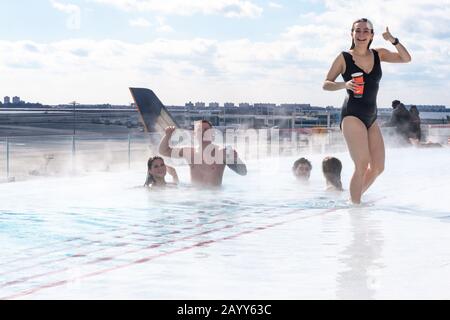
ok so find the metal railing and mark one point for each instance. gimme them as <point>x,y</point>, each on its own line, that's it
<point>27,157</point>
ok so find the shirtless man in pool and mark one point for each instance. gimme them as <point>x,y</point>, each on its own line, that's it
<point>207,162</point>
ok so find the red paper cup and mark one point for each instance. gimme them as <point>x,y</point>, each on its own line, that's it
<point>358,79</point>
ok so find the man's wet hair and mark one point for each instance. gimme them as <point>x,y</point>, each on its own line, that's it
<point>332,168</point>
<point>301,161</point>
<point>206,121</point>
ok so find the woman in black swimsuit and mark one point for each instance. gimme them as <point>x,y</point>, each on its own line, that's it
<point>358,124</point>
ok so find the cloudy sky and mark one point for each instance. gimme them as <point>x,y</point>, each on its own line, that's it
<point>91,51</point>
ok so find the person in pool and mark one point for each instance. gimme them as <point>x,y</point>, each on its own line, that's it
<point>156,172</point>
<point>302,169</point>
<point>358,117</point>
<point>206,169</point>
<point>332,168</point>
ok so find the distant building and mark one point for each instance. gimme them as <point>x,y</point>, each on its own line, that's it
<point>244,105</point>
<point>189,105</point>
<point>6,100</point>
<point>430,108</point>
<point>290,108</point>
<point>264,108</point>
<point>213,105</point>
<point>228,105</point>
<point>200,105</point>
<point>16,100</point>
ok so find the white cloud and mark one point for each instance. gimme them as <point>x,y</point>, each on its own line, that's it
<point>163,26</point>
<point>65,7</point>
<point>227,8</point>
<point>288,69</point>
<point>275,5</point>
<point>423,27</point>
<point>284,70</point>
<point>140,23</point>
<point>73,21</point>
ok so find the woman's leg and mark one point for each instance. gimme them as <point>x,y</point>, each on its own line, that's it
<point>356,136</point>
<point>377,156</point>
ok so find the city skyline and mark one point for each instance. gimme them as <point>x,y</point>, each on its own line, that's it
<point>57,51</point>
<point>16,100</point>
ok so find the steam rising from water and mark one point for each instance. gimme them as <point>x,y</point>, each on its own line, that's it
<point>60,156</point>
<point>331,249</point>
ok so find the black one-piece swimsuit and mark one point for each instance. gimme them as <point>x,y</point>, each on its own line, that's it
<point>364,108</point>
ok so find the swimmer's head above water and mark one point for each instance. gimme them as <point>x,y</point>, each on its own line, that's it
<point>302,169</point>
<point>362,33</point>
<point>156,171</point>
<point>332,168</point>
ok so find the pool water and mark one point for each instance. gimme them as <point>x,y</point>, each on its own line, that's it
<point>263,236</point>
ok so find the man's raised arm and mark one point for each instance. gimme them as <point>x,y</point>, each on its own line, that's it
<point>164,148</point>
<point>233,162</point>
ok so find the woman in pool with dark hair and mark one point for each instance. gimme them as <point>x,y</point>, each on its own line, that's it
<point>332,168</point>
<point>157,171</point>
<point>359,112</point>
